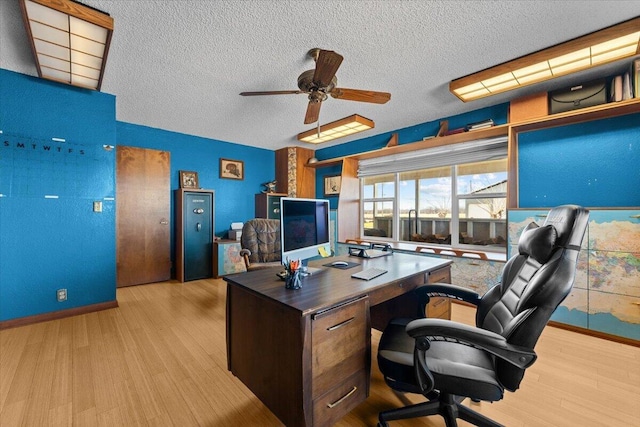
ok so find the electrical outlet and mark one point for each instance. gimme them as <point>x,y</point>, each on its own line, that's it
<point>61,294</point>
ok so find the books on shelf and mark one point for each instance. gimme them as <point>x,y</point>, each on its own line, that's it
<point>627,85</point>
<point>635,77</point>
<point>471,127</point>
<point>616,89</point>
<point>480,125</point>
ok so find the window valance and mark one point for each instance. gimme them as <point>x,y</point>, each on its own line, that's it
<point>446,155</point>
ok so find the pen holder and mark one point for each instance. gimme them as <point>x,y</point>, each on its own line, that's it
<point>292,281</point>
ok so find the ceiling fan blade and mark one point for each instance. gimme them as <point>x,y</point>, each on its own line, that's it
<point>273,92</point>
<point>327,65</point>
<point>313,112</point>
<point>361,95</point>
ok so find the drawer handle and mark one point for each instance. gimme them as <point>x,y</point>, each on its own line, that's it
<point>437,303</point>
<point>339,401</point>
<point>341,324</point>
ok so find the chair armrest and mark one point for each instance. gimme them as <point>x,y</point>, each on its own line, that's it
<point>496,344</point>
<point>425,292</point>
<point>245,254</point>
<point>448,291</point>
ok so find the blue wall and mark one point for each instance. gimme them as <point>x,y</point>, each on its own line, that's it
<point>49,236</point>
<point>234,199</point>
<point>591,164</point>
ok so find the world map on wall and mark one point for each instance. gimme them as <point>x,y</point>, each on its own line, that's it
<point>607,284</point>
<point>614,270</point>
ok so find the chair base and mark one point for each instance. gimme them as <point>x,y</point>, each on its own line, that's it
<point>448,406</point>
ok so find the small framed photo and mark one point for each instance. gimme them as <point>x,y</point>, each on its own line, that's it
<point>189,179</point>
<point>231,169</point>
<point>332,185</point>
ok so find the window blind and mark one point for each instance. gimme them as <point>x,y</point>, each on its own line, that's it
<point>446,155</point>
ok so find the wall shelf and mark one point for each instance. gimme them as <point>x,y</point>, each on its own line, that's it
<point>597,112</point>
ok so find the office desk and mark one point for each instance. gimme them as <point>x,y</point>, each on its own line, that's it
<point>306,354</point>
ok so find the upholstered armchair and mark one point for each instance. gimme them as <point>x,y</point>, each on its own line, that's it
<point>448,361</point>
<point>260,243</point>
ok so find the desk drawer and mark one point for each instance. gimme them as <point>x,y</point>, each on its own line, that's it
<point>439,308</point>
<point>329,408</point>
<point>340,343</point>
<point>442,275</point>
<point>401,287</point>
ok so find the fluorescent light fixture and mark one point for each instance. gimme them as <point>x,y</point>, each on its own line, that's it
<point>338,129</point>
<point>69,40</point>
<point>610,44</point>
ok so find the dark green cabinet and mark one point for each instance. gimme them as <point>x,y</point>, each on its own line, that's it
<point>194,234</point>
<point>268,205</point>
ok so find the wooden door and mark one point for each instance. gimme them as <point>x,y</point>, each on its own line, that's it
<point>143,193</point>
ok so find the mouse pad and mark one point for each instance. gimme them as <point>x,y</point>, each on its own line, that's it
<point>342,267</point>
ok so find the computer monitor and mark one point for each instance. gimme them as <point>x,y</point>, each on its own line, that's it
<point>304,228</point>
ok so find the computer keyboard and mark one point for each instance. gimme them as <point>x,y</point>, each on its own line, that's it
<point>369,273</point>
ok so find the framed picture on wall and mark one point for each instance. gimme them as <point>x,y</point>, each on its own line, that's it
<point>332,185</point>
<point>189,179</point>
<point>231,169</point>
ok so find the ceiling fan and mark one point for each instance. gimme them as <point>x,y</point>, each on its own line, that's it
<point>321,82</point>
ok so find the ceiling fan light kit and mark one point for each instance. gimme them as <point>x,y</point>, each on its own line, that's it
<point>70,41</point>
<point>338,129</point>
<point>598,48</point>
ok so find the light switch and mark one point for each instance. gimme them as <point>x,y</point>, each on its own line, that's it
<point>97,206</point>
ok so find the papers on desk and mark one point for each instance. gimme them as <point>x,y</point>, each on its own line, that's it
<point>368,253</point>
<point>323,252</point>
<point>375,253</point>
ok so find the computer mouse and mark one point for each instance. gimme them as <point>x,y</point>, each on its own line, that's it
<point>339,264</point>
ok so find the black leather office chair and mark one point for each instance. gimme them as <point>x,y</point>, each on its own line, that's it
<point>447,361</point>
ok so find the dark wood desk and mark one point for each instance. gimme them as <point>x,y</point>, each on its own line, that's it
<point>306,354</point>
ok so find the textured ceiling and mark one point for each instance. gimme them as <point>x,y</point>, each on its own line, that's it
<point>180,65</point>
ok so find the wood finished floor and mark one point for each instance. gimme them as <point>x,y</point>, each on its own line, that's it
<point>159,360</point>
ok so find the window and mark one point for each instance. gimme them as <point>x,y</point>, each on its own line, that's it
<point>378,202</point>
<point>461,205</point>
<point>425,208</point>
<point>482,203</point>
